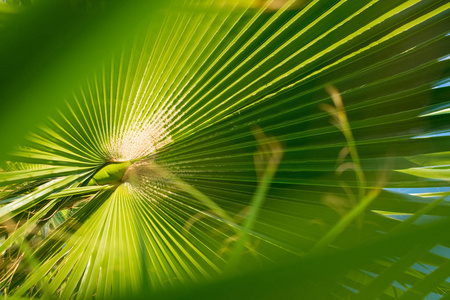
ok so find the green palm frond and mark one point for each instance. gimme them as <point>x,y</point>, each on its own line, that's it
<point>198,141</point>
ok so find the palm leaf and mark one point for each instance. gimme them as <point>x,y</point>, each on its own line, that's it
<point>154,150</point>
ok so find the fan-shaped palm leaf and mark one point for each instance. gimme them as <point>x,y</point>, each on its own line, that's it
<point>202,145</point>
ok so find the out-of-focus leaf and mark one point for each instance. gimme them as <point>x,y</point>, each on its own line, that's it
<point>42,42</point>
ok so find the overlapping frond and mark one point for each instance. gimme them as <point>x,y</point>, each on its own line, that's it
<point>240,134</point>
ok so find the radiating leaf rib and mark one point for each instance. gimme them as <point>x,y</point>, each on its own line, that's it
<point>75,191</point>
<point>37,174</point>
<point>53,255</point>
<point>380,283</point>
<point>426,285</point>
<point>440,173</point>
<point>27,227</point>
<point>25,202</point>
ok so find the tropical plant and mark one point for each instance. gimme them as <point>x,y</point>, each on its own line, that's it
<point>272,149</point>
